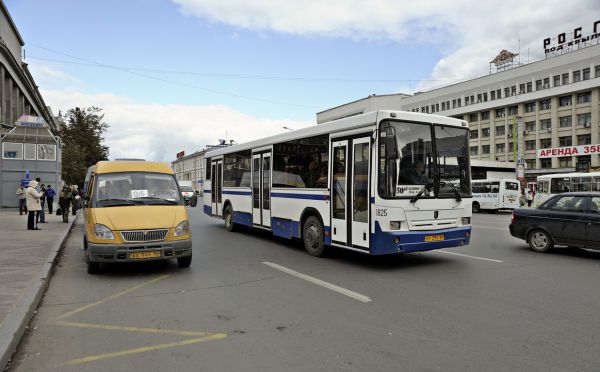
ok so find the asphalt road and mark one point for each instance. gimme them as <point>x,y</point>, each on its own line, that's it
<point>494,305</point>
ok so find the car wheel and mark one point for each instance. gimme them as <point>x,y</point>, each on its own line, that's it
<point>228,218</point>
<point>184,262</point>
<point>312,236</point>
<point>540,241</point>
<point>476,208</point>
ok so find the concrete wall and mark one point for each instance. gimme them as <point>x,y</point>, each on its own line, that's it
<point>8,35</point>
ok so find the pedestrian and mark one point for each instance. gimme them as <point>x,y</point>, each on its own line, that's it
<point>42,213</point>
<point>32,197</point>
<point>64,201</point>
<point>22,204</point>
<point>50,194</point>
<point>529,198</point>
<point>75,198</point>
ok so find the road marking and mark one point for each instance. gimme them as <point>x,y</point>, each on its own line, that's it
<point>490,227</point>
<point>333,287</point>
<point>109,327</point>
<point>466,255</point>
<point>112,297</point>
<point>145,349</point>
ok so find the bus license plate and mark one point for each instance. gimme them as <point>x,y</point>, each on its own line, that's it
<point>434,238</point>
<point>144,255</point>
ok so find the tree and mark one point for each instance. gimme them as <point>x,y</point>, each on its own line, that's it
<point>82,135</point>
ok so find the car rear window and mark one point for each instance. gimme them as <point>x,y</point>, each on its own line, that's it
<point>186,188</point>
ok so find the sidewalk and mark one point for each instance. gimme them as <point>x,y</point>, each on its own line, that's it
<point>27,258</point>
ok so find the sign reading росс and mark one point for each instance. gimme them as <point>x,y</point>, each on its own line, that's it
<point>568,151</point>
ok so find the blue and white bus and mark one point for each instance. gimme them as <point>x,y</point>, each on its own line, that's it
<point>379,183</point>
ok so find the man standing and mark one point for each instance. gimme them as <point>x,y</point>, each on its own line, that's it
<point>42,213</point>
<point>21,195</point>
<point>50,194</point>
<point>32,197</point>
<point>64,201</point>
<point>75,199</point>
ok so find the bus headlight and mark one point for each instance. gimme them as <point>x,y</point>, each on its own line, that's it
<point>395,225</point>
<point>466,220</point>
<point>103,232</point>
<point>182,229</point>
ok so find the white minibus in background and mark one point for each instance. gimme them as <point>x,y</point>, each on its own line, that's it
<point>552,184</point>
<point>495,194</point>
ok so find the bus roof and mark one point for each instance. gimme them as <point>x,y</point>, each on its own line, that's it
<point>132,166</point>
<point>349,123</point>
<point>496,180</point>
<point>568,175</point>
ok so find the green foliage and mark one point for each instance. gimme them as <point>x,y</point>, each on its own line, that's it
<point>82,136</point>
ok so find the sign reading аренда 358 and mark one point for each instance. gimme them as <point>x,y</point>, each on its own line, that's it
<point>568,151</point>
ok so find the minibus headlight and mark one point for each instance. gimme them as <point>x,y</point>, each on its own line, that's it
<point>182,229</point>
<point>466,220</point>
<point>395,225</point>
<point>103,232</point>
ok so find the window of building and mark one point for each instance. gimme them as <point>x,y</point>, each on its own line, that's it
<point>499,148</point>
<point>565,162</point>
<point>12,150</point>
<point>500,130</point>
<point>545,124</point>
<point>513,90</point>
<point>564,101</point>
<point>530,163</point>
<point>474,150</point>
<point>565,141</point>
<point>443,106</point>
<point>584,139</point>
<point>511,146</point>
<point>556,80</point>
<point>521,88</point>
<point>485,115</point>
<point>546,163</point>
<point>485,149</point>
<point>576,76</point>
<point>510,128</point>
<point>500,113</point>
<point>448,105</point>
<point>529,87</point>
<point>565,121</point>
<point>583,164</point>
<point>453,103</point>
<point>437,107</point>
<point>513,110</point>
<point>530,145</point>
<point>545,104</point>
<point>507,92</point>
<point>236,169</point>
<point>546,83</point>
<point>585,97</point>
<point>46,152</point>
<point>597,71</point>
<point>485,132</point>
<point>485,97</point>
<point>584,119</point>
<point>530,107</point>
<point>474,134</point>
<point>301,163</point>
<point>479,98</point>
<point>493,95</point>
<point>498,93</point>
<point>586,73</point>
<point>530,126</point>
<point>473,117</point>
<point>545,143</point>
<point>458,101</point>
<point>467,99</point>
<point>538,85</point>
<point>565,78</point>
<point>30,151</point>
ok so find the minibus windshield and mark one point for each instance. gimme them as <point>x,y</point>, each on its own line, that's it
<point>135,188</point>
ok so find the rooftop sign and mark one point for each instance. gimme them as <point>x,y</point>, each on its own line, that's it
<point>567,42</point>
<point>568,151</point>
<point>31,122</point>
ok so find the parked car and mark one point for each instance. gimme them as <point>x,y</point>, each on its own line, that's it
<point>187,192</point>
<point>571,219</point>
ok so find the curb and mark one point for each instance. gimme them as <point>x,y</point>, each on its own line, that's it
<point>16,322</point>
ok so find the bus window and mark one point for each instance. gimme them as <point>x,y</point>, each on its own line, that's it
<point>596,184</point>
<point>512,186</point>
<point>542,187</point>
<point>495,187</point>
<point>559,185</point>
<point>581,183</point>
<point>476,187</point>
<point>485,187</point>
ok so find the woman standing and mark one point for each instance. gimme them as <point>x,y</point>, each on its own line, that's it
<point>32,197</point>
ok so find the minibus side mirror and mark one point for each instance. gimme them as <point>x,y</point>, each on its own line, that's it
<point>194,200</point>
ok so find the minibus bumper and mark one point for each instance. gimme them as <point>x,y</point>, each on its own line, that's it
<point>154,251</point>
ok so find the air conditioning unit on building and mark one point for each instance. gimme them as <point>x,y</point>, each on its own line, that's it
<point>586,125</point>
<point>510,135</point>
<point>549,129</point>
<point>526,132</point>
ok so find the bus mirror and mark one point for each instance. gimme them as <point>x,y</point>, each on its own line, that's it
<point>193,200</point>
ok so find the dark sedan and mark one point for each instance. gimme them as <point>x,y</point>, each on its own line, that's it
<point>571,219</point>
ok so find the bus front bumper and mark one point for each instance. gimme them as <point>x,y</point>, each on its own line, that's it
<point>391,242</point>
<point>154,251</point>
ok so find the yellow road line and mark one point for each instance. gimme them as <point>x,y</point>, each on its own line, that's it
<point>132,329</point>
<point>112,297</point>
<point>93,358</point>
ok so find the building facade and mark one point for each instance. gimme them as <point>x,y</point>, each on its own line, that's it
<point>556,100</point>
<point>191,168</point>
<point>33,143</point>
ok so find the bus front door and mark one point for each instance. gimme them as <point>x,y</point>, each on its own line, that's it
<point>216,187</point>
<point>339,229</point>
<point>261,189</point>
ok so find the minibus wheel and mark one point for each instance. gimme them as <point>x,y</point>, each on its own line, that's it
<point>92,267</point>
<point>184,262</point>
<point>312,236</point>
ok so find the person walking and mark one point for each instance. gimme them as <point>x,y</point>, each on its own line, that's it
<point>75,198</point>
<point>21,195</point>
<point>32,197</point>
<point>529,198</point>
<point>50,194</point>
<point>64,201</point>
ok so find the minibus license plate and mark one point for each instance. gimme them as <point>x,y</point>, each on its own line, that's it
<point>143,255</point>
<point>434,238</point>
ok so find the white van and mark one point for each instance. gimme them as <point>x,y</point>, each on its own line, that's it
<point>495,194</point>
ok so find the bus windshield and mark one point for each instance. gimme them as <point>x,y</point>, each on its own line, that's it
<point>407,161</point>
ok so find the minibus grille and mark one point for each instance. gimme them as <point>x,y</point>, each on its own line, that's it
<point>144,235</point>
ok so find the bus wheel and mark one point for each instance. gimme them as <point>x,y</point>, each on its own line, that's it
<point>476,207</point>
<point>228,218</point>
<point>312,235</point>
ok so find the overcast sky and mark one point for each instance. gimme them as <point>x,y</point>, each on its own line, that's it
<point>181,74</point>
